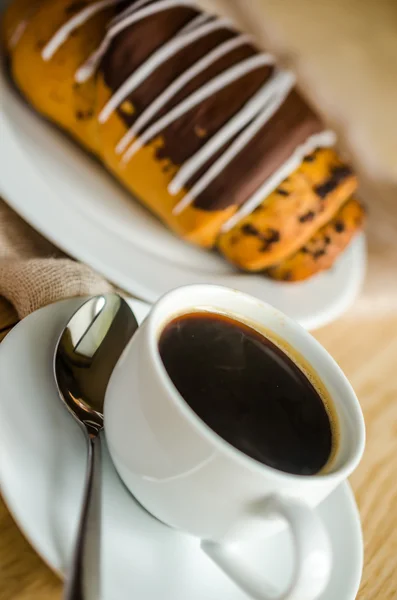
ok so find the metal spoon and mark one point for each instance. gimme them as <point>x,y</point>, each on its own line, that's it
<point>86,354</point>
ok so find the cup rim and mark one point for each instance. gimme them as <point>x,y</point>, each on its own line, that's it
<point>212,436</point>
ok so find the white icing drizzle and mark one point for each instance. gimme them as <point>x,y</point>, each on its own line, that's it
<point>20,28</point>
<point>279,87</point>
<point>212,87</point>
<point>18,33</point>
<point>158,104</point>
<point>89,67</point>
<point>199,20</point>
<point>257,111</point>
<point>156,60</point>
<point>75,22</point>
<point>249,111</point>
<point>318,140</point>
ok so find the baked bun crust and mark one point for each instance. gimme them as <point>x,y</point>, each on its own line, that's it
<point>201,127</point>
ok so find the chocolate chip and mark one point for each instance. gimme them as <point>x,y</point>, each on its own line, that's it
<point>312,156</point>
<point>338,174</point>
<point>287,276</point>
<point>269,238</point>
<point>249,229</point>
<point>339,226</point>
<point>318,253</point>
<point>257,209</point>
<point>327,240</point>
<point>282,192</point>
<point>309,216</point>
<point>304,250</point>
<point>341,171</point>
<point>82,115</point>
<point>326,188</point>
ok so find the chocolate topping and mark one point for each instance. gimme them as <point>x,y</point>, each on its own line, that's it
<point>270,148</point>
<point>180,140</point>
<point>293,123</point>
<point>134,45</point>
<point>75,7</point>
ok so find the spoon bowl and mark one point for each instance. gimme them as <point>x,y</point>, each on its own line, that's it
<point>87,352</point>
<point>85,356</point>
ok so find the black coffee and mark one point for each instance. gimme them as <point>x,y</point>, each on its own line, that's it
<point>248,391</point>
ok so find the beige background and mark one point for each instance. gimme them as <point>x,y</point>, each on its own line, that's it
<point>345,54</point>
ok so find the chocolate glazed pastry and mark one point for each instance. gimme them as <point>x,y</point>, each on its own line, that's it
<point>190,117</point>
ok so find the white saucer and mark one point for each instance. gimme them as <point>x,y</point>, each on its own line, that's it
<point>41,473</point>
<point>59,189</point>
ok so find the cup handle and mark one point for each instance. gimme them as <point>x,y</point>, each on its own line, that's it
<point>312,549</point>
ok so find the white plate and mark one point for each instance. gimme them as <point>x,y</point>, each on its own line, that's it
<point>75,203</point>
<point>42,472</point>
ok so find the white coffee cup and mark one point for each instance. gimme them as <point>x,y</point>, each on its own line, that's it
<point>188,477</point>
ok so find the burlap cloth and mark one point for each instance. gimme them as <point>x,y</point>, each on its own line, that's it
<point>34,273</point>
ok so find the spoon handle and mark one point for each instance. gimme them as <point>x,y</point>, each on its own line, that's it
<point>83,576</point>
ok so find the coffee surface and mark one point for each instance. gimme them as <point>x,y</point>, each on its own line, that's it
<point>247,390</point>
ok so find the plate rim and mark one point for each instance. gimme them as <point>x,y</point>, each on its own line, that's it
<point>87,245</point>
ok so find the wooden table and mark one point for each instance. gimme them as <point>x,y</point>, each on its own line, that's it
<point>366,349</point>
